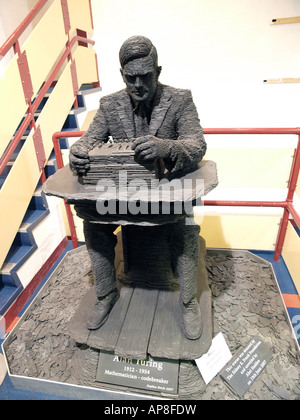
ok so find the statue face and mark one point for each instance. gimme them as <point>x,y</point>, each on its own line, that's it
<point>140,77</point>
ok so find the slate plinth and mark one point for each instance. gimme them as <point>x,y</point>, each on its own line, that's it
<point>41,355</point>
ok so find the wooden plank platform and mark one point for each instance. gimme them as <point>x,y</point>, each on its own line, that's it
<point>136,329</point>
<point>146,322</point>
<point>142,322</point>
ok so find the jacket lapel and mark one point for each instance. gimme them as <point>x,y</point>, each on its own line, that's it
<point>124,109</point>
<point>162,102</point>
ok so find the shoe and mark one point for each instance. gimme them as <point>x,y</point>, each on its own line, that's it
<point>191,319</point>
<point>101,310</point>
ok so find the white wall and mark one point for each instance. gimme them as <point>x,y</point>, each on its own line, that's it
<point>12,13</point>
<point>222,50</point>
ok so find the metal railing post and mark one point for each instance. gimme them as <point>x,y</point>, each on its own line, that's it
<point>60,164</point>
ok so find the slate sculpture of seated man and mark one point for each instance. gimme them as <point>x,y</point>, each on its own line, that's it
<point>162,122</point>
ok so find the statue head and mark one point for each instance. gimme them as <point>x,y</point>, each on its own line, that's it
<point>139,68</point>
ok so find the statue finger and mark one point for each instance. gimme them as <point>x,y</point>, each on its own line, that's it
<point>78,161</point>
<point>80,153</point>
<point>139,141</point>
<point>148,154</point>
<point>142,147</point>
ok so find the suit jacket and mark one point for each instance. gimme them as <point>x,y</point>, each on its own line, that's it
<point>174,117</point>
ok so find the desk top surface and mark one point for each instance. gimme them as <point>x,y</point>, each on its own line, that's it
<point>188,187</point>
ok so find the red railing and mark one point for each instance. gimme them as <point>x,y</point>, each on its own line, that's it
<point>13,41</point>
<point>60,164</point>
<point>30,115</point>
<point>14,38</point>
<point>287,205</point>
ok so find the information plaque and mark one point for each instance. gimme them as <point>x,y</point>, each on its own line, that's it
<point>159,375</point>
<point>212,362</point>
<point>245,367</point>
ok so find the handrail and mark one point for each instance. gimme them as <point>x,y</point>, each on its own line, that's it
<point>293,213</point>
<point>30,116</point>
<point>33,98</point>
<point>60,164</point>
<point>287,205</point>
<point>55,138</point>
<point>21,28</point>
<point>232,203</point>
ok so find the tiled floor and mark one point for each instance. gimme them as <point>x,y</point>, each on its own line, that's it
<point>286,285</point>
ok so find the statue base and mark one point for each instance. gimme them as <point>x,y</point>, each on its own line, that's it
<point>146,321</point>
<point>41,355</point>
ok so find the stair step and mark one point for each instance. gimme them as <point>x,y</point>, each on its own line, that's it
<point>17,149</point>
<point>87,88</point>
<point>6,268</point>
<point>64,143</point>
<point>32,216</point>
<point>38,190</point>
<point>51,167</point>
<point>18,253</point>
<point>50,170</point>
<point>11,161</point>
<point>52,155</point>
<point>6,170</point>
<point>22,239</point>
<point>8,294</point>
<point>49,91</point>
<point>24,227</point>
<point>23,139</point>
<point>43,103</point>
<point>80,102</point>
<point>26,132</point>
<point>23,246</point>
<point>37,202</point>
<point>5,173</point>
<point>70,123</point>
<point>6,278</point>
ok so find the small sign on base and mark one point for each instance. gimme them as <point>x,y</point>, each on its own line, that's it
<point>158,375</point>
<point>246,366</point>
<point>215,359</point>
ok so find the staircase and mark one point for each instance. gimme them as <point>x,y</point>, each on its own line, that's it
<point>22,248</point>
<point>24,244</point>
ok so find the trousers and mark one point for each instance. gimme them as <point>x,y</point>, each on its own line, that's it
<point>183,240</point>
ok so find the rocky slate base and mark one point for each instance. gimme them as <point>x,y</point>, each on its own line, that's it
<point>246,303</point>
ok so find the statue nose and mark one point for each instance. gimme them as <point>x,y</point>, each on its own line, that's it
<point>138,82</point>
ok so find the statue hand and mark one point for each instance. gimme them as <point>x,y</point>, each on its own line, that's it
<point>79,159</point>
<point>150,147</point>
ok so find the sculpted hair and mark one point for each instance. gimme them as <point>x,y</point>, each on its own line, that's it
<point>137,47</point>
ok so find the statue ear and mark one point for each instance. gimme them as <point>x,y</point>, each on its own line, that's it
<point>158,71</point>
<point>122,74</point>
